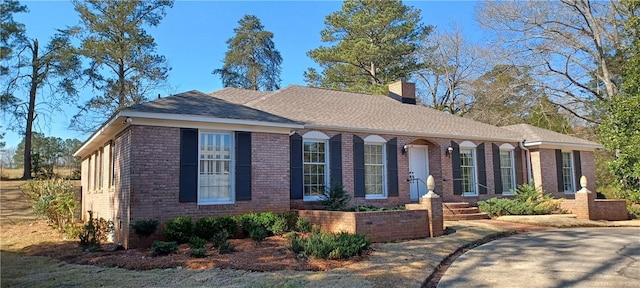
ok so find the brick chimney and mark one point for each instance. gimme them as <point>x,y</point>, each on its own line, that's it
<point>403,91</point>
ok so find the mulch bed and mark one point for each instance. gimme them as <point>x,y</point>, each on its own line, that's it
<point>270,255</point>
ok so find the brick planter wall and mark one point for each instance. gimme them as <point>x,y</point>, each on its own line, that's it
<point>602,209</point>
<point>612,210</point>
<point>382,226</point>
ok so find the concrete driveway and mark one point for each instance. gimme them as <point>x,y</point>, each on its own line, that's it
<point>578,257</point>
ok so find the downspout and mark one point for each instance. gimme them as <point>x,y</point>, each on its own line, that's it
<point>528,156</point>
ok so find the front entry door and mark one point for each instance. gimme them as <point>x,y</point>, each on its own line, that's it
<point>419,168</point>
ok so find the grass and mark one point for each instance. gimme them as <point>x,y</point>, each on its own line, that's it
<point>16,173</point>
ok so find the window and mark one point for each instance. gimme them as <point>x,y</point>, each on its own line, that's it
<point>467,168</point>
<point>315,162</point>
<point>112,163</point>
<point>506,171</point>
<point>215,166</point>
<point>567,172</point>
<point>374,167</point>
<point>507,168</point>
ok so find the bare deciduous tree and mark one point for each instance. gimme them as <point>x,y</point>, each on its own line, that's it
<point>572,47</point>
<point>453,64</point>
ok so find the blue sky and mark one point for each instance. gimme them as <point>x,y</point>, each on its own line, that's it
<point>192,37</point>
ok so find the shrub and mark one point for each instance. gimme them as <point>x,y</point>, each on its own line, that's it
<point>196,242</point>
<point>219,238</point>
<point>145,227</point>
<point>330,245</point>
<point>94,232</point>
<point>633,211</point>
<point>291,217</point>
<point>164,248</point>
<point>258,233</point>
<point>206,227</point>
<point>226,247</point>
<point>279,226</point>
<point>528,201</point>
<point>55,200</point>
<point>179,229</point>
<point>367,208</point>
<point>336,198</point>
<point>303,225</point>
<point>198,252</point>
<point>260,226</point>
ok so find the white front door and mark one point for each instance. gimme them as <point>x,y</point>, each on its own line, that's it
<point>418,168</point>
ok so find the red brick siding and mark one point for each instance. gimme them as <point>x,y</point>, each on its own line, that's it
<point>439,166</point>
<point>383,226</point>
<point>155,177</point>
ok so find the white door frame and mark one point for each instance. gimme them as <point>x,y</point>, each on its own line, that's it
<point>420,185</point>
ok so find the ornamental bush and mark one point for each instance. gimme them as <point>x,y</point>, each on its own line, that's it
<point>206,227</point>
<point>329,245</point>
<point>179,229</point>
<point>164,248</point>
<point>145,227</point>
<point>528,201</point>
<point>94,232</point>
<point>335,198</point>
<point>54,199</point>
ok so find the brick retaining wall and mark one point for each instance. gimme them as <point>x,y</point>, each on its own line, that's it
<point>381,226</point>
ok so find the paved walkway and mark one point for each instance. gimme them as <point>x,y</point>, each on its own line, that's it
<point>577,257</point>
<point>519,227</point>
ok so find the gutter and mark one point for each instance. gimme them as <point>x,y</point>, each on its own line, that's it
<point>528,156</point>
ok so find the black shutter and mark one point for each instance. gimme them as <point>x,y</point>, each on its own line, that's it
<point>358,167</point>
<point>482,169</point>
<point>188,191</point>
<point>243,166</point>
<point>295,166</point>
<point>392,167</point>
<point>517,157</point>
<point>559,170</point>
<point>457,172</point>
<point>497,172</point>
<point>335,160</point>
<point>577,169</point>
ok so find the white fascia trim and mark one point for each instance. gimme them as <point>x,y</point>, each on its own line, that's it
<point>406,133</point>
<point>207,119</point>
<point>95,135</point>
<point>549,144</point>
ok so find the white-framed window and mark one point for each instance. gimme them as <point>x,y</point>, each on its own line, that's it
<point>567,172</point>
<point>507,168</point>
<point>215,179</point>
<point>374,167</point>
<point>468,168</point>
<point>315,162</point>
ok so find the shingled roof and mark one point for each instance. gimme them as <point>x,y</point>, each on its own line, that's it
<point>538,136</point>
<point>201,104</point>
<point>330,109</point>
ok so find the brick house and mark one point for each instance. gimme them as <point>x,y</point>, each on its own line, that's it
<point>235,151</point>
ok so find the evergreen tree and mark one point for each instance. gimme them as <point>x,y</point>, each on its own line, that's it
<point>33,67</point>
<point>252,61</point>
<point>373,44</point>
<point>124,66</point>
<point>12,33</point>
<point>620,129</point>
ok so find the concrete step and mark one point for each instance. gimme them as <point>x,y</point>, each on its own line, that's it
<point>456,211</point>
<point>453,205</point>
<point>471,216</point>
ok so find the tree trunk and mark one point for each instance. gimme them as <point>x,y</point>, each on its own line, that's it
<point>26,174</point>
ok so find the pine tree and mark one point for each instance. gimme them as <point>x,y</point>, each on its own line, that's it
<point>123,65</point>
<point>252,61</point>
<point>373,44</point>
